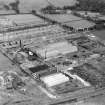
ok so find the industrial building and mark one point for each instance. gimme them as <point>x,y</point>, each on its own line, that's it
<point>42,33</point>
<point>55,49</point>
<point>77,23</point>
<point>63,17</point>
<point>80,25</point>
<point>13,24</point>
<point>88,14</point>
<point>22,19</point>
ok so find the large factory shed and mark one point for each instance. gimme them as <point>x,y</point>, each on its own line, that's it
<point>52,50</point>
<point>63,17</point>
<point>54,79</point>
<point>23,19</point>
<point>5,12</point>
<point>80,25</point>
<point>72,21</point>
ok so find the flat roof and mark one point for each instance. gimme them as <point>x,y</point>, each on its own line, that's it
<point>52,50</point>
<point>54,79</point>
<point>24,19</point>
<point>81,24</point>
<point>63,17</point>
<point>71,20</point>
<point>7,12</point>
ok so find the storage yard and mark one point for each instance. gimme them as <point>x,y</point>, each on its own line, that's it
<point>48,64</point>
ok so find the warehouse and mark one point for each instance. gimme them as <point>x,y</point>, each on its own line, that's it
<point>5,22</point>
<point>5,12</point>
<point>24,19</point>
<point>80,25</point>
<point>50,31</point>
<point>54,79</point>
<point>77,23</point>
<point>53,50</point>
<point>60,84</point>
<point>20,22</point>
<point>63,17</point>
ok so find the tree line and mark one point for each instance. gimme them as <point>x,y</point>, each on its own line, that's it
<point>88,5</point>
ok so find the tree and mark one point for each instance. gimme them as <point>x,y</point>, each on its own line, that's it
<point>15,6</point>
<point>88,5</point>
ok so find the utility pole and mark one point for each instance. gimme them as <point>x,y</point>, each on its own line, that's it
<point>20,43</point>
<point>46,54</point>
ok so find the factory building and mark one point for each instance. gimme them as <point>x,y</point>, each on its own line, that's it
<point>71,21</point>
<point>80,25</point>
<point>54,79</point>
<point>22,19</point>
<point>11,26</point>
<point>55,49</point>
<point>42,33</point>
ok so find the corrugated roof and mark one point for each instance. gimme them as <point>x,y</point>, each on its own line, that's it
<point>7,12</point>
<point>57,48</point>
<point>80,24</point>
<point>24,19</point>
<point>63,17</point>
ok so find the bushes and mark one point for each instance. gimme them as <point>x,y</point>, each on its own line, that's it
<point>88,5</point>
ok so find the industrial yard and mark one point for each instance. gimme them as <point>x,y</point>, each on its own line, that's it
<point>55,58</point>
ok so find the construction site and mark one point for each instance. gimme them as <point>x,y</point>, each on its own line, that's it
<point>50,59</point>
